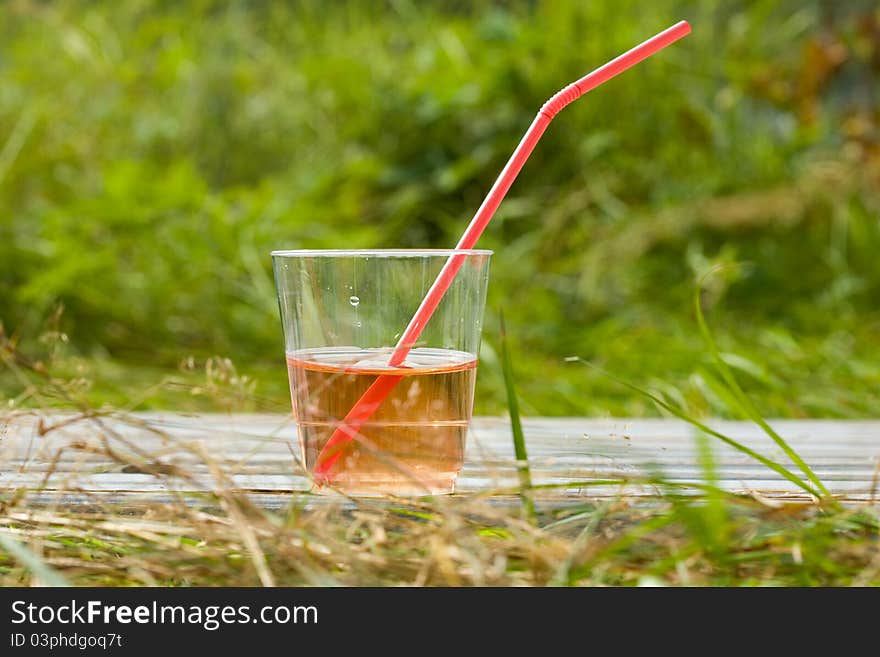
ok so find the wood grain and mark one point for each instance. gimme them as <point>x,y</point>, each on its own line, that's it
<point>61,459</point>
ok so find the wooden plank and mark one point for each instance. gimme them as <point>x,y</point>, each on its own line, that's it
<point>258,454</point>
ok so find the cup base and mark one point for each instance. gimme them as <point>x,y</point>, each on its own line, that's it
<point>376,488</point>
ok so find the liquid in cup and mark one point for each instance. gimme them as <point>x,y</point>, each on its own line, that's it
<point>413,444</point>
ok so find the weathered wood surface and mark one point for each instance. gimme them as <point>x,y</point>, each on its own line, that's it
<point>111,458</point>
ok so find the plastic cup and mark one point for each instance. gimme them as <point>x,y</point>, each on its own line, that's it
<point>342,313</point>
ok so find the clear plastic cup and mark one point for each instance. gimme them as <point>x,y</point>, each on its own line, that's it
<point>342,314</point>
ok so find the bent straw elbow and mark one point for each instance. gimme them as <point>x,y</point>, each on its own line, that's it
<point>560,99</point>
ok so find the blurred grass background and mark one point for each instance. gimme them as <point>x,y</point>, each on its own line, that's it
<point>153,153</point>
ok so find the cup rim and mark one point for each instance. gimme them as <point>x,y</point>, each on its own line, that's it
<point>380,253</point>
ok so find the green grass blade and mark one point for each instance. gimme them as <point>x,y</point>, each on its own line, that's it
<point>782,471</point>
<point>519,441</point>
<point>714,513</point>
<point>32,562</point>
<point>745,404</point>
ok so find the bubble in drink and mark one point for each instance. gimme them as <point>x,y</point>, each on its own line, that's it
<point>413,443</point>
<point>354,301</point>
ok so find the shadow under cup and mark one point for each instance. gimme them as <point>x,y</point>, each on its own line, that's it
<point>343,313</point>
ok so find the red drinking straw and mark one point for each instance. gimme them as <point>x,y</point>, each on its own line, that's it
<point>384,384</point>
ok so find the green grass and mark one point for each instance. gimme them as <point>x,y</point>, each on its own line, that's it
<point>152,154</point>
